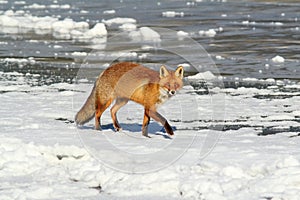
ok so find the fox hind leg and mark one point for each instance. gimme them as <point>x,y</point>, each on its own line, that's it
<point>99,109</point>
<point>120,102</point>
<point>146,123</point>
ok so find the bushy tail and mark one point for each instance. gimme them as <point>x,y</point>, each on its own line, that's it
<point>87,112</point>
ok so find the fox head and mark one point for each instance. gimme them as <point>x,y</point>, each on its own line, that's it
<point>171,81</point>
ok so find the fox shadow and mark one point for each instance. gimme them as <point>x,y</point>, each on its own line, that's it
<point>153,128</point>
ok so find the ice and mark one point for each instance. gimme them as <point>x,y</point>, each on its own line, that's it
<point>20,2</point>
<point>79,54</point>
<point>145,34</point>
<point>219,57</point>
<point>36,6</point>
<point>149,34</point>
<point>202,76</point>
<point>52,6</point>
<point>102,55</point>
<point>65,29</point>
<point>208,33</point>
<point>57,47</point>
<point>128,27</point>
<point>109,12</point>
<point>99,30</point>
<point>277,23</point>
<point>8,21</point>
<point>190,3</point>
<point>182,34</point>
<point>172,14</point>
<point>254,23</point>
<point>119,20</point>
<point>62,29</point>
<point>30,60</point>
<point>278,59</point>
<point>248,22</point>
<point>84,11</point>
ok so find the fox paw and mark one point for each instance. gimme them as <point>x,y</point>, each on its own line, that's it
<point>118,129</point>
<point>170,132</point>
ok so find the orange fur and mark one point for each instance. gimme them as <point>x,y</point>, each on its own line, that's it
<point>130,81</point>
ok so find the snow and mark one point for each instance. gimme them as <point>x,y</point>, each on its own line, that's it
<point>43,154</point>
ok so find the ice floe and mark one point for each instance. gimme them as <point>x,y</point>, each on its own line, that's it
<point>202,76</point>
<point>172,14</point>
<point>182,34</point>
<point>119,20</point>
<point>208,33</point>
<point>145,34</point>
<point>278,59</point>
<point>11,22</point>
<point>109,12</point>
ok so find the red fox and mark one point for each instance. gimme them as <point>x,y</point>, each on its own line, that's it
<point>131,81</point>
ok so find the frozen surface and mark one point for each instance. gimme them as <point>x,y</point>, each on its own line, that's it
<point>43,154</point>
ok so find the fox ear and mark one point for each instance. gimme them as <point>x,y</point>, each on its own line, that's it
<point>179,72</point>
<point>163,72</point>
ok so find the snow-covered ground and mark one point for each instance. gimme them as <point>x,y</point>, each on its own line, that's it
<point>217,151</point>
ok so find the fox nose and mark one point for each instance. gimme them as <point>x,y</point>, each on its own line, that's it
<point>172,92</point>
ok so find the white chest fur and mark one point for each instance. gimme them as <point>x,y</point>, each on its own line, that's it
<point>163,96</point>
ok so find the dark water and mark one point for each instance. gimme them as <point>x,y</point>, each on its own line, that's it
<point>249,34</point>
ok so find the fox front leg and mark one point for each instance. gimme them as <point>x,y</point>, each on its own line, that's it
<point>159,118</point>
